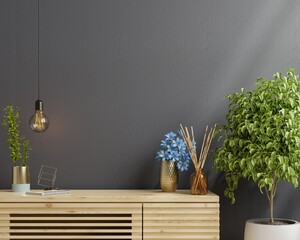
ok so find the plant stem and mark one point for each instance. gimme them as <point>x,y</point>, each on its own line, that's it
<point>271,206</point>
<point>270,194</point>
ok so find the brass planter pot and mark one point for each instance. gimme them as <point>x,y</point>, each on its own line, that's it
<point>21,179</point>
<point>168,176</point>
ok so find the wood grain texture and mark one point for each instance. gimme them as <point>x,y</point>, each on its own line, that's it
<point>110,196</point>
<point>109,214</point>
<point>181,221</point>
<point>71,221</point>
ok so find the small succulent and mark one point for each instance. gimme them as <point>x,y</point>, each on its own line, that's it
<point>173,148</point>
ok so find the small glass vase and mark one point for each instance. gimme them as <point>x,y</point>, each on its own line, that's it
<point>168,176</point>
<point>198,183</point>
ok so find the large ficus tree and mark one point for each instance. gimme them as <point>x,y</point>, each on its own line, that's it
<point>261,139</point>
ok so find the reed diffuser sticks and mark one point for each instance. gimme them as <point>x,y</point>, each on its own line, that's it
<point>198,185</point>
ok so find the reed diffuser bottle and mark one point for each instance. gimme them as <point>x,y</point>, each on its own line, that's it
<point>198,181</point>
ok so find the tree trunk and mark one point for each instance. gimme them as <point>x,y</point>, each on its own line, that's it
<point>271,203</point>
<point>270,194</point>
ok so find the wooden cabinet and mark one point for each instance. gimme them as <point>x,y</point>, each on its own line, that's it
<point>109,214</point>
<point>181,221</point>
<point>71,221</point>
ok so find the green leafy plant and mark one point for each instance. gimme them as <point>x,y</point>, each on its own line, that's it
<point>12,122</point>
<point>26,149</point>
<point>261,139</point>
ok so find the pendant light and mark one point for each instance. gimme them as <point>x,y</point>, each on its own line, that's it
<point>38,121</point>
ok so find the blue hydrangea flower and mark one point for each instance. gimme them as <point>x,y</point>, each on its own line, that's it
<point>179,143</point>
<point>183,165</point>
<point>193,144</point>
<point>170,136</point>
<point>165,144</point>
<point>173,148</point>
<point>175,155</point>
<point>160,155</point>
<point>168,155</point>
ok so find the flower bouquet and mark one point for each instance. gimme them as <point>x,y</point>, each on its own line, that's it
<point>173,155</point>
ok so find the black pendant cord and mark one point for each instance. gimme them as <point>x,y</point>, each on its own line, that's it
<point>38,122</point>
<point>38,44</point>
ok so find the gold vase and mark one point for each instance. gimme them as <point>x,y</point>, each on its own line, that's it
<point>168,176</point>
<point>21,179</point>
<point>198,183</point>
<point>21,175</point>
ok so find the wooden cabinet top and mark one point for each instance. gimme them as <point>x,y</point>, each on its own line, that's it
<point>110,196</point>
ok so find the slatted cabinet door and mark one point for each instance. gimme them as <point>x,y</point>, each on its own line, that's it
<point>169,221</point>
<point>70,221</point>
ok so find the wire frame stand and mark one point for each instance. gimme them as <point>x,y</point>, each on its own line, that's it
<point>47,177</point>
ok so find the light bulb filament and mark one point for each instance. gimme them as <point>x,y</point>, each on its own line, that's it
<point>39,121</point>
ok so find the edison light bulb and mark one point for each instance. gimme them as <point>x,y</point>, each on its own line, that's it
<point>39,121</point>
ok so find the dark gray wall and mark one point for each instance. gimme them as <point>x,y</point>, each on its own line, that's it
<point>118,74</point>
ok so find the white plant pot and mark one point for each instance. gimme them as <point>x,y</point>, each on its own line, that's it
<point>21,188</point>
<point>257,231</point>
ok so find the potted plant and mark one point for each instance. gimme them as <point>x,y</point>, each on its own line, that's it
<point>261,142</point>
<point>19,150</point>
<point>173,156</point>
